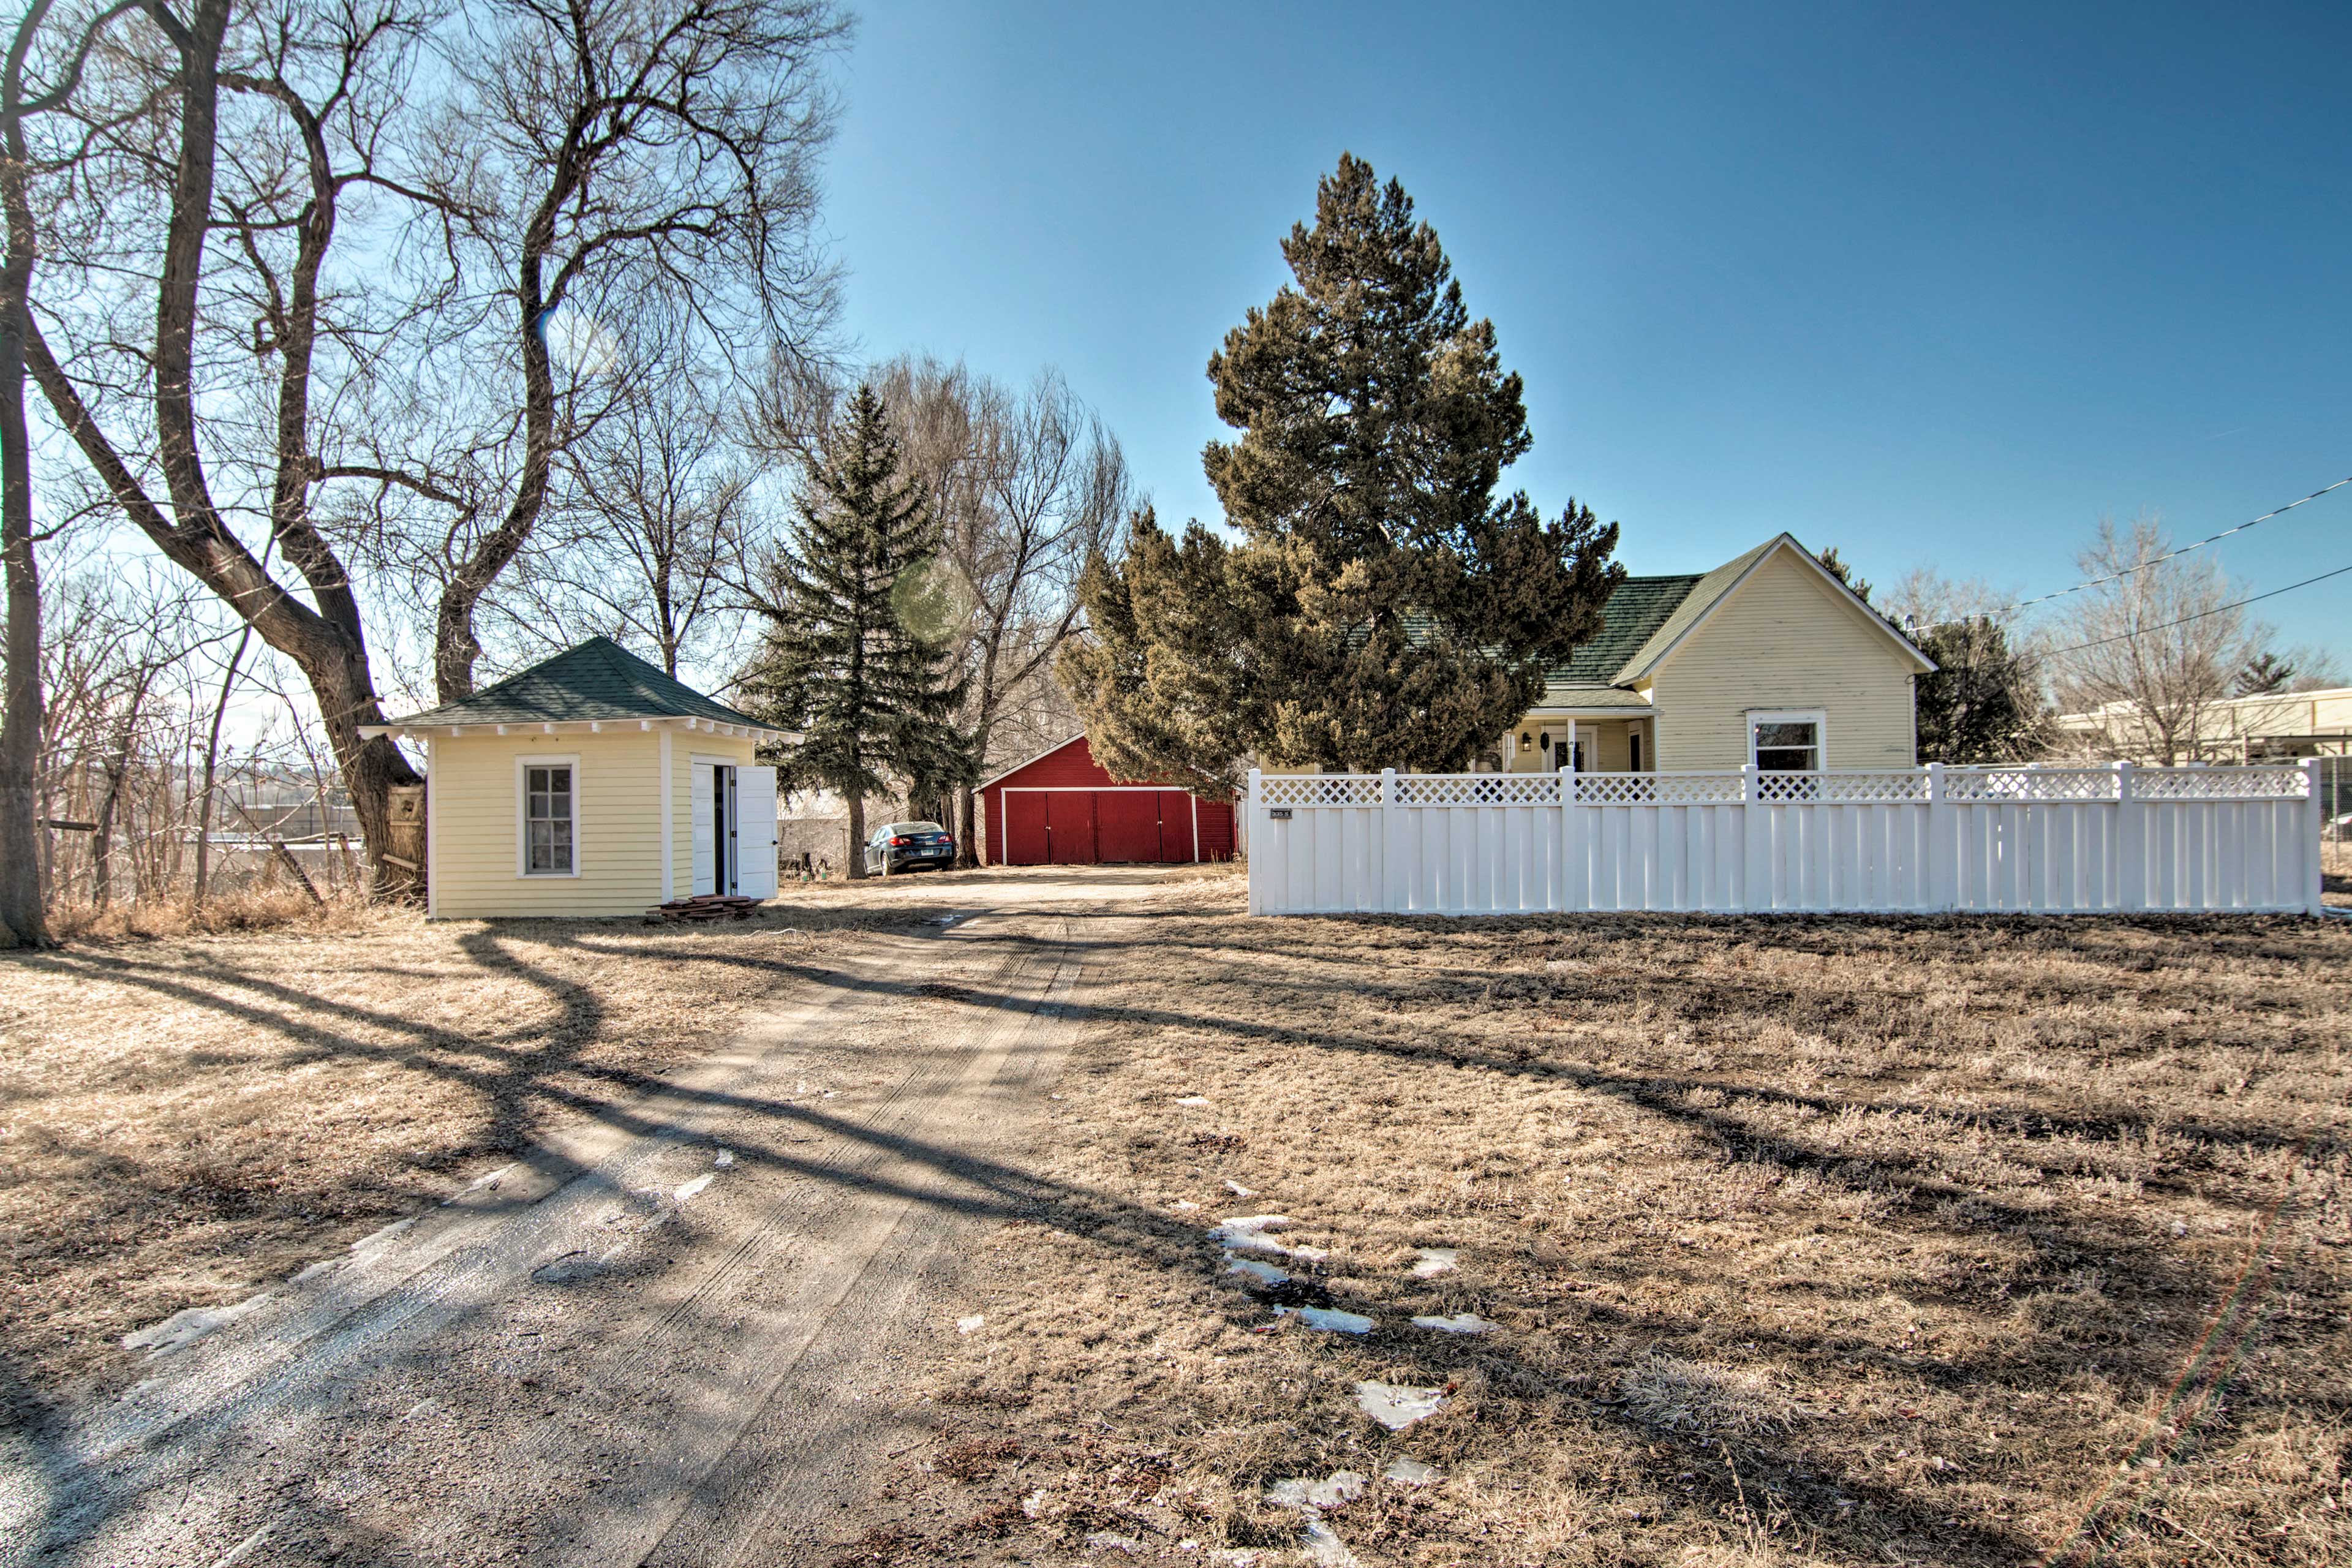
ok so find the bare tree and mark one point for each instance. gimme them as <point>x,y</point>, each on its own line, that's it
<point>650,525</point>
<point>627,161</point>
<point>34,80</point>
<point>300,96</point>
<point>390,395</point>
<point>2150,652</point>
<point>1031,487</point>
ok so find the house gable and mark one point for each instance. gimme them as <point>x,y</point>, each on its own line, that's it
<point>1717,588</point>
<point>1783,635</point>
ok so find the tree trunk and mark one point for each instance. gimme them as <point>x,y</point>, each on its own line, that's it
<point>101,843</point>
<point>21,920</point>
<point>857,836</point>
<point>212,763</point>
<point>967,816</point>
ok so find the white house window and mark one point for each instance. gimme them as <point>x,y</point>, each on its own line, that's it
<point>1785,742</point>
<point>549,820</point>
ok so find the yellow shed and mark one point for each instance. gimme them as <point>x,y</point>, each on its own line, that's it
<point>592,784</point>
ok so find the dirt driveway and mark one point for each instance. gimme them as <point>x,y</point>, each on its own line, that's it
<point>670,1334</point>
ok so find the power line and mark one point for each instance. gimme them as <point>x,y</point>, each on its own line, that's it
<point>2201,614</point>
<point>2157,560</point>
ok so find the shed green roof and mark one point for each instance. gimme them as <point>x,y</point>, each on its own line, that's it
<point>599,679</point>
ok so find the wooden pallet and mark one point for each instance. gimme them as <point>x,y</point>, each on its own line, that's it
<point>705,907</point>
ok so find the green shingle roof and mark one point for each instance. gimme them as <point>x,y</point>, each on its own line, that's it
<point>598,679</point>
<point>1695,601</point>
<point>1635,610</point>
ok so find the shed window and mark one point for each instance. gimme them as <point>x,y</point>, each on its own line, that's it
<point>1785,742</point>
<point>548,820</point>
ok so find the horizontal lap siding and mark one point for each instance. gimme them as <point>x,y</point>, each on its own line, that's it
<point>1784,640</point>
<point>473,825</point>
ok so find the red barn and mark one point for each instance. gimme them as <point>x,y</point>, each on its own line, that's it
<point>1062,808</point>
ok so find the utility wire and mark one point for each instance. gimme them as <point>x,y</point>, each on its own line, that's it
<point>2201,614</point>
<point>2157,560</point>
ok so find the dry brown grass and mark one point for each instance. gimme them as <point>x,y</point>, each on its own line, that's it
<point>1811,1240</point>
<point>183,1120</point>
<point>252,909</point>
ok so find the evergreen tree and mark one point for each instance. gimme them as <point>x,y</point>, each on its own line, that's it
<point>2265,674</point>
<point>1983,703</point>
<point>1382,607</point>
<point>854,658</point>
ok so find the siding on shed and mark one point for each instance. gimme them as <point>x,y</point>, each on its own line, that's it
<point>1785,639</point>
<point>618,796</point>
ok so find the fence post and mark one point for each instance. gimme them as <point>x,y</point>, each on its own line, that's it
<point>1941,878</point>
<point>1574,870</point>
<point>2316,880</point>
<point>1392,859</point>
<point>2131,845</point>
<point>1256,903</point>
<point>1755,845</point>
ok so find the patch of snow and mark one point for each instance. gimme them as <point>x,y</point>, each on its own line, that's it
<point>694,1186</point>
<point>422,1408</point>
<point>1186,1205</point>
<point>1325,1549</point>
<point>1104,1540</point>
<point>1240,1191</point>
<point>1411,1472</point>
<point>186,1327</point>
<point>1264,1273</point>
<point>1196,1100</point>
<point>1339,1487</point>
<point>1460,1323</point>
<point>1034,1503</point>
<point>966,1325</point>
<point>1247,1233</point>
<point>1310,1254</point>
<point>724,1158</point>
<point>828,1094</point>
<point>1330,1319</point>
<point>1434,1261</point>
<point>1397,1407</point>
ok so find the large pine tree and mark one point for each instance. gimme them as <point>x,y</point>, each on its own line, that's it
<point>856,657</point>
<point>1383,606</point>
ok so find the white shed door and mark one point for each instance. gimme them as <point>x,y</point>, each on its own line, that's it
<point>706,869</point>
<point>755,832</point>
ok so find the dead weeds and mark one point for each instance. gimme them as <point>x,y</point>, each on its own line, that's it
<point>1801,1241</point>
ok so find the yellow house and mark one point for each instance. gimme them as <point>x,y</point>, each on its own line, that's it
<point>1767,660</point>
<point>591,784</point>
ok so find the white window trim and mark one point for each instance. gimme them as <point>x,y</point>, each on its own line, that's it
<point>524,763</point>
<point>1818,718</point>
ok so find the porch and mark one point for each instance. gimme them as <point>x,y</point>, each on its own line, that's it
<point>1595,740</point>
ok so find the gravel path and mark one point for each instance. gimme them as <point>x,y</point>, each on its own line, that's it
<point>670,1336</point>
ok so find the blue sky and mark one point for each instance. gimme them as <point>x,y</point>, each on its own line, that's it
<point>1938,285</point>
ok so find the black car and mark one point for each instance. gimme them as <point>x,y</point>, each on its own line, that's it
<point>896,847</point>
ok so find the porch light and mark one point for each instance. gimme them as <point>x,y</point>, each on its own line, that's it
<point>1523,739</point>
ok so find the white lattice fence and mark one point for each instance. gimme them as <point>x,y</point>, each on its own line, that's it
<point>2049,840</point>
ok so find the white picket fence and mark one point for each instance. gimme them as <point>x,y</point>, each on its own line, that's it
<point>2050,840</point>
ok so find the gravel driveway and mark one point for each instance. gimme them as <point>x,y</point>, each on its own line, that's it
<point>669,1336</point>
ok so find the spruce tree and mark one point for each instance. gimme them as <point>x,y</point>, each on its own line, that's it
<point>854,659</point>
<point>1383,606</point>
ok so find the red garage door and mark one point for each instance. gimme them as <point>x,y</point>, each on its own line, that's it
<point>1069,826</point>
<point>1175,825</point>
<point>1024,827</point>
<point>1127,824</point>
